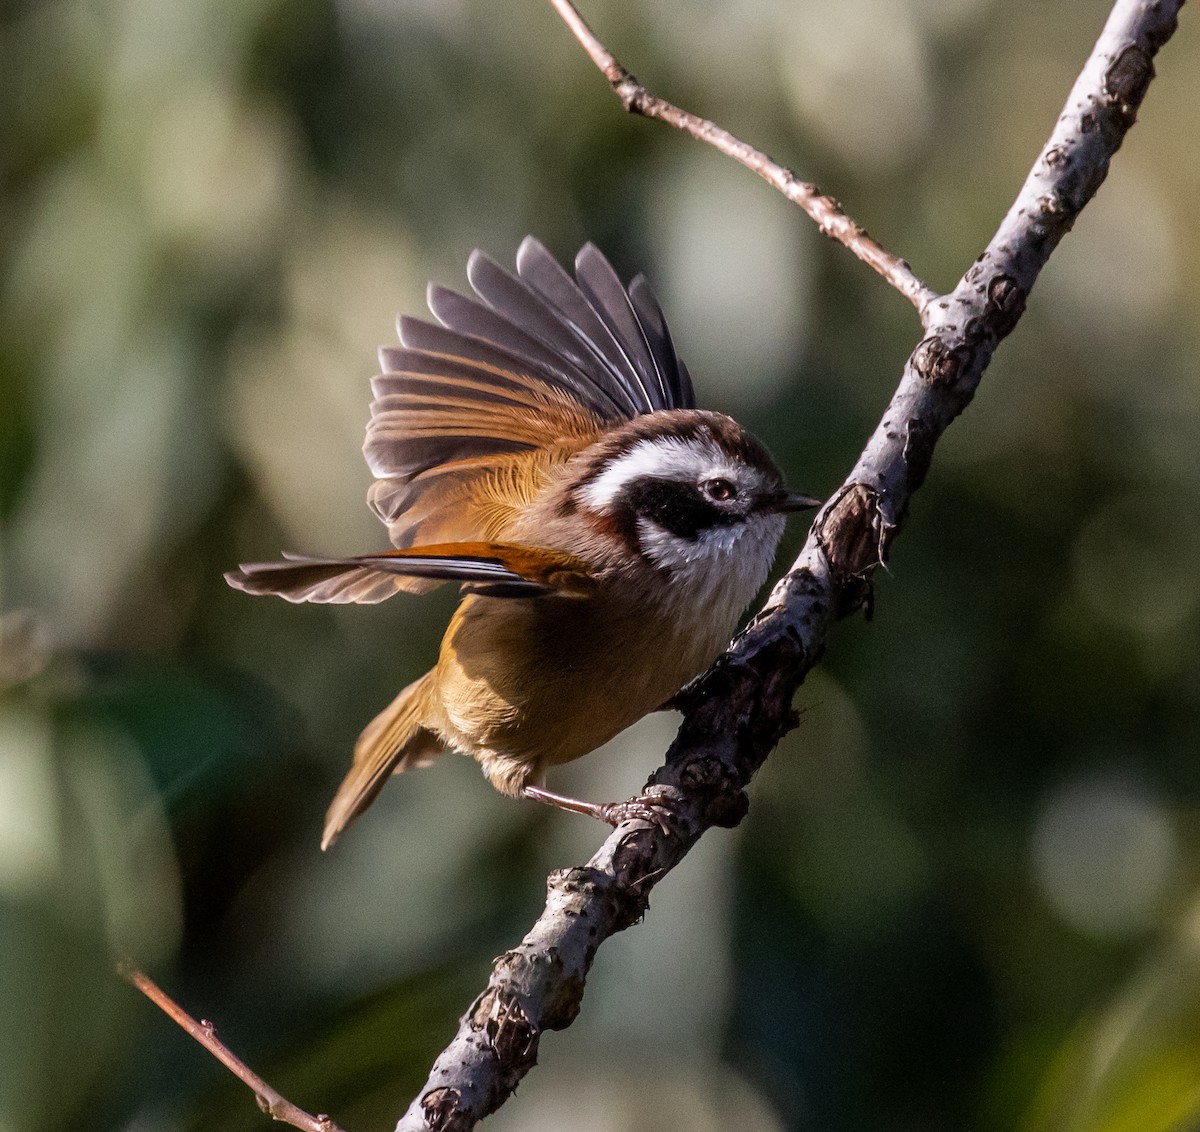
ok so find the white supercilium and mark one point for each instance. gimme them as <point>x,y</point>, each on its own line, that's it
<point>723,566</point>
<point>669,458</point>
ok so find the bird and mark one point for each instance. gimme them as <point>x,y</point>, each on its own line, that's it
<point>539,444</point>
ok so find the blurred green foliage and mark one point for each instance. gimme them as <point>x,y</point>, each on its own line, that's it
<point>966,894</point>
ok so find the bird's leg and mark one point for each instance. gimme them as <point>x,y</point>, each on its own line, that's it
<point>652,808</point>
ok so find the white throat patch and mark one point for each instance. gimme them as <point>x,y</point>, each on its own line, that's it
<point>721,568</point>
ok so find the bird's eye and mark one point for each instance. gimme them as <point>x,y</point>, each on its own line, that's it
<point>719,489</point>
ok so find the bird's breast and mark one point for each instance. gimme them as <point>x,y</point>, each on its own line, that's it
<point>546,680</point>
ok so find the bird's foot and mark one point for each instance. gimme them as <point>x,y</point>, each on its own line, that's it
<point>656,809</point>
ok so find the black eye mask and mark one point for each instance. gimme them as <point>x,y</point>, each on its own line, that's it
<point>676,506</point>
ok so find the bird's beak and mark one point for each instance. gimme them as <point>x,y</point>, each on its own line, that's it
<point>787,501</point>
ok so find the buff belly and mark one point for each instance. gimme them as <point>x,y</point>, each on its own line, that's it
<point>526,684</point>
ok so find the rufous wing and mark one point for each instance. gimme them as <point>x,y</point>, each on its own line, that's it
<point>493,569</point>
<point>472,413</point>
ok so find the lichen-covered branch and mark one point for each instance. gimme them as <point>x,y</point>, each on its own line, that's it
<point>741,708</point>
<point>828,213</point>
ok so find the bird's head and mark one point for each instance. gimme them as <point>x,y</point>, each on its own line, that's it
<point>689,492</point>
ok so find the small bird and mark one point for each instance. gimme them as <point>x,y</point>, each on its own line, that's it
<point>541,447</point>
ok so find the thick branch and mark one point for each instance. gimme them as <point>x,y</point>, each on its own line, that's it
<point>270,1101</point>
<point>828,213</point>
<point>741,708</point>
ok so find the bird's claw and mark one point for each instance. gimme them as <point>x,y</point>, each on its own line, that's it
<point>654,809</point>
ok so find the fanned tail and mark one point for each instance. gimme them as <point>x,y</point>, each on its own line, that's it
<point>393,742</point>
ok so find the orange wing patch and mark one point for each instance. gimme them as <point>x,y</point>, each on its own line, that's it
<point>456,453</point>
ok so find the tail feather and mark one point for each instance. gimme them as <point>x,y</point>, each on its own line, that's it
<point>393,742</point>
<point>336,581</point>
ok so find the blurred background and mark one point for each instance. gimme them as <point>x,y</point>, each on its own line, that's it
<point>967,894</point>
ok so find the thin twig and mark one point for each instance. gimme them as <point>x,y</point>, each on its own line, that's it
<point>742,706</point>
<point>279,1107</point>
<point>828,213</point>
